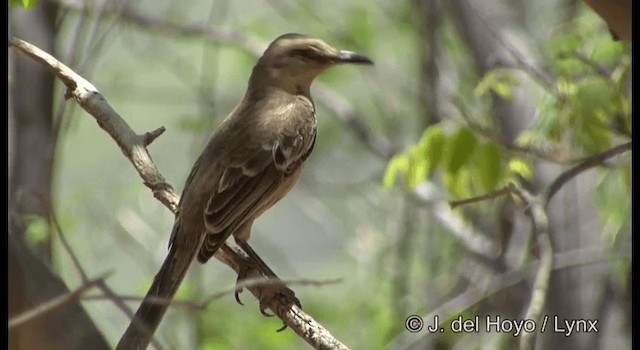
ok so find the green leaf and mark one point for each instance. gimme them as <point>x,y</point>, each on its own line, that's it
<point>499,81</point>
<point>614,203</point>
<point>24,3</point>
<point>417,162</point>
<point>571,66</point>
<point>432,142</point>
<point>593,138</point>
<point>458,183</point>
<point>418,168</point>
<point>593,97</point>
<point>520,166</point>
<point>398,164</point>
<point>561,44</point>
<point>607,51</point>
<point>37,229</point>
<point>488,165</point>
<point>458,149</point>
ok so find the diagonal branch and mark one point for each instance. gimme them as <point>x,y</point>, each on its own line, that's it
<point>53,304</point>
<point>584,165</point>
<point>133,146</point>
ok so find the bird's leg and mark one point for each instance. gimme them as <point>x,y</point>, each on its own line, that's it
<point>266,270</point>
<point>273,287</point>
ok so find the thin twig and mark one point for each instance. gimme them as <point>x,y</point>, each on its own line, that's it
<point>472,239</point>
<point>54,303</point>
<point>490,195</point>
<point>585,164</point>
<point>149,137</point>
<point>249,283</point>
<point>545,80</point>
<point>52,219</point>
<point>120,304</point>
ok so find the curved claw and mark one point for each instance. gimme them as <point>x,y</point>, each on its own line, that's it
<point>265,313</point>
<point>237,295</point>
<point>284,326</point>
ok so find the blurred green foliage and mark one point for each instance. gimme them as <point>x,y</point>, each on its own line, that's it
<point>587,108</point>
<point>24,3</point>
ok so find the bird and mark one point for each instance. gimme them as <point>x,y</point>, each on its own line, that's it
<point>251,161</point>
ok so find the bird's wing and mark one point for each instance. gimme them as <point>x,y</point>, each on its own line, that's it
<point>257,176</point>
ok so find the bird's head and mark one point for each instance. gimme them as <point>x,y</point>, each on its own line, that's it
<point>294,60</point>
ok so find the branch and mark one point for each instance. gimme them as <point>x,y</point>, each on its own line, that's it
<point>540,225</point>
<point>474,241</point>
<point>490,195</point>
<point>249,283</point>
<point>89,98</point>
<point>55,303</point>
<point>585,164</point>
<point>133,147</point>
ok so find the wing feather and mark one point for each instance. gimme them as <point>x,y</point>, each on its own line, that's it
<point>259,173</point>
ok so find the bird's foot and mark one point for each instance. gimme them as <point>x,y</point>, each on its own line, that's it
<point>269,288</point>
<point>284,297</point>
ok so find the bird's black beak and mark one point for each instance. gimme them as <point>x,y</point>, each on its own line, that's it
<point>352,57</point>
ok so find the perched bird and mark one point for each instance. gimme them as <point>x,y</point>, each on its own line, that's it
<point>251,161</point>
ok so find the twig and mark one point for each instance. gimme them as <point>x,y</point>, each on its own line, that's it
<point>490,195</point>
<point>67,247</point>
<point>474,241</point>
<point>52,219</point>
<point>55,303</point>
<point>585,164</point>
<point>249,283</point>
<point>545,80</point>
<point>262,282</point>
<point>120,303</point>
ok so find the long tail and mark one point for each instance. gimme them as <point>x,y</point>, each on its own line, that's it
<point>156,302</point>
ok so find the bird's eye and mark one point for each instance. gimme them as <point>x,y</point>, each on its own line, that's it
<point>301,53</point>
<point>307,54</point>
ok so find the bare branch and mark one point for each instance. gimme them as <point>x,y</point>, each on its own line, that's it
<point>585,164</point>
<point>378,145</point>
<point>521,59</point>
<point>55,303</point>
<point>249,283</point>
<point>474,241</point>
<point>151,136</point>
<point>490,195</point>
<point>90,99</point>
<point>541,283</point>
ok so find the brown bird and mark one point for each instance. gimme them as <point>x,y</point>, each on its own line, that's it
<point>251,161</point>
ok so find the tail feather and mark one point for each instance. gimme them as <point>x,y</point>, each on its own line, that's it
<point>156,302</point>
<point>211,244</point>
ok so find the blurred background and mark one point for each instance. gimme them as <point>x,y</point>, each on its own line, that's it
<point>464,99</point>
